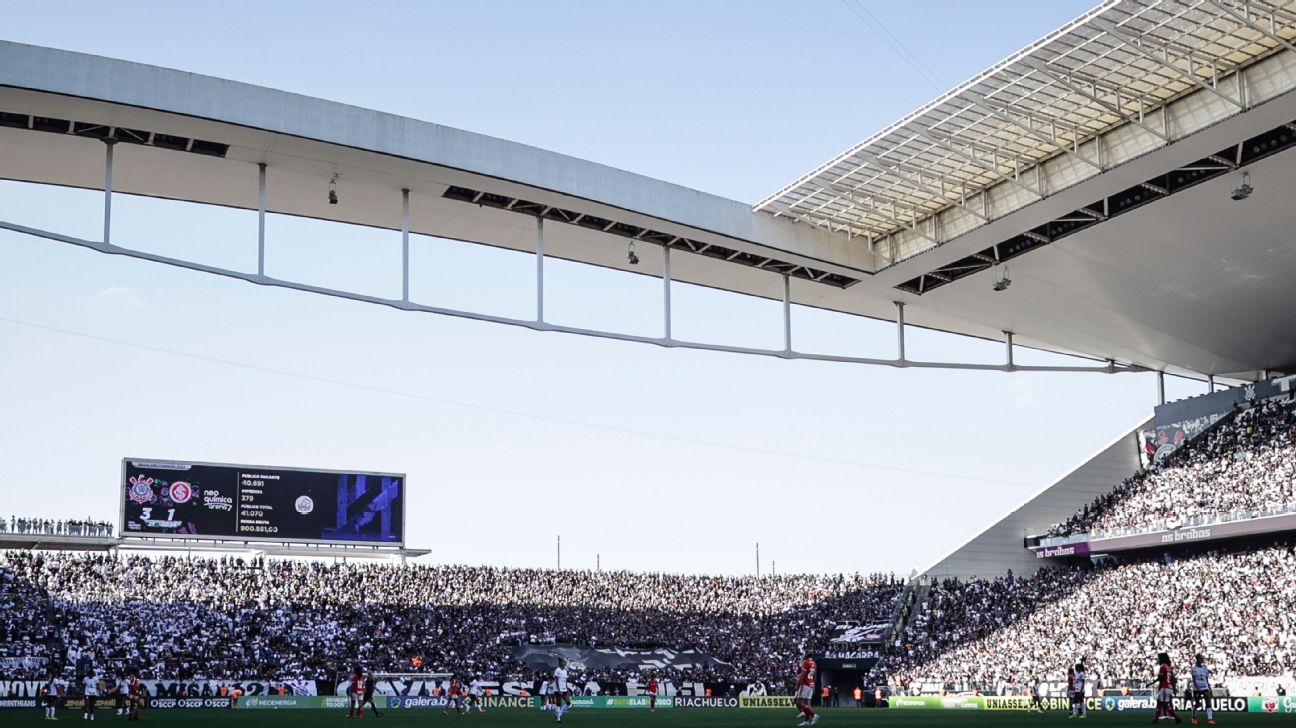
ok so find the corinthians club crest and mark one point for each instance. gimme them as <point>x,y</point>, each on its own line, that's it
<point>141,489</point>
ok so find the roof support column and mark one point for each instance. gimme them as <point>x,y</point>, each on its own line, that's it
<point>109,143</point>
<point>666,294</point>
<point>1210,383</point>
<point>261,210</point>
<point>405,227</point>
<point>1009,343</point>
<point>787,313</point>
<point>900,339</point>
<point>1161,387</point>
<point>539,270</point>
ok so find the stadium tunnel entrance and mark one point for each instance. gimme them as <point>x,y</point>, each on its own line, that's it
<point>840,677</point>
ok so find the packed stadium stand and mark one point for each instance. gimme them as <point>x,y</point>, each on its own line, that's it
<point>1244,467</point>
<point>1001,635</point>
<point>307,620</point>
<point>230,619</point>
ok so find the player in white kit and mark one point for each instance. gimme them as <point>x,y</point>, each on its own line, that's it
<point>1202,691</point>
<point>546,694</point>
<point>91,686</point>
<point>561,690</point>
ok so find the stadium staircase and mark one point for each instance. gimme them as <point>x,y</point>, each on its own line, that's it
<point>910,600</point>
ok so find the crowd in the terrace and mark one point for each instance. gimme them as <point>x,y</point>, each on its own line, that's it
<point>1237,609</point>
<point>183,618</point>
<point>55,527</point>
<point>177,617</point>
<point>1245,464</point>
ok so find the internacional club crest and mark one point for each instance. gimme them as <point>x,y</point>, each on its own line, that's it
<point>180,492</point>
<point>305,505</point>
<point>141,489</point>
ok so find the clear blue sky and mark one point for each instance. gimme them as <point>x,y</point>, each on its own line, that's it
<point>653,459</point>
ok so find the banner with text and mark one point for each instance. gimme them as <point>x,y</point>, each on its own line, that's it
<point>1268,704</point>
<point>613,701</point>
<point>289,702</point>
<point>423,701</point>
<point>1178,422</point>
<point>544,657</point>
<point>765,701</point>
<point>167,703</point>
<point>938,702</point>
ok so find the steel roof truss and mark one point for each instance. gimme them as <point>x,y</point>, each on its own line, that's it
<point>1271,33</point>
<point>1135,43</point>
<point>1072,149</point>
<point>927,133</point>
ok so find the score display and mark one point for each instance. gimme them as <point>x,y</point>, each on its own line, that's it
<point>178,499</point>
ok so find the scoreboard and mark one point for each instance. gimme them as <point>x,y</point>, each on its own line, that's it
<point>190,500</point>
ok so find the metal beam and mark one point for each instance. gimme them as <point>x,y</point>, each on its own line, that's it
<point>1064,78</point>
<point>261,213</point>
<point>893,169</point>
<point>900,331</point>
<point>912,225</point>
<point>952,146</point>
<point>109,143</point>
<point>1245,21</point>
<point>985,104</point>
<point>539,270</point>
<point>539,325</point>
<point>405,233</point>
<point>787,313</point>
<point>666,293</point>
<point>1135,44</point>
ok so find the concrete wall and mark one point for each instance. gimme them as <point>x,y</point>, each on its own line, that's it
<point>999,548</point>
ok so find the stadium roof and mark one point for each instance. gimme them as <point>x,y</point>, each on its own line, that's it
<point>1098,161</point>
<point>1117,64</point>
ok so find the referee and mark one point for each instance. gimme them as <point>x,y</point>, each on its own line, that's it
<point>369,686</point>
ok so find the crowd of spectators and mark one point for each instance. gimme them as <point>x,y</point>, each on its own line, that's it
<point>1238,609</point>
<point>186,618</point>
<point>1246,464</point>
<point>224,619</point>
<point>56,527</point>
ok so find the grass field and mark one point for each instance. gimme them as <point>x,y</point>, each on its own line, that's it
<point>677,718</point>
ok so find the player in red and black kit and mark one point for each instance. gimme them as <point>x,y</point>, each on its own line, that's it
<point>805,682</point>
<point>133,696</point>
<point>354,691</point>
<point>454,695</point>
<point>1165,690</point>
<point>652,693</point>
<point>1071,691</point>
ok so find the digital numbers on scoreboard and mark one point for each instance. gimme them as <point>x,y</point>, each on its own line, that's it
<point>255,515</point>
<point>173,499</point>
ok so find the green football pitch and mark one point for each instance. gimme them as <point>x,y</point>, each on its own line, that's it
<point>673,718</point>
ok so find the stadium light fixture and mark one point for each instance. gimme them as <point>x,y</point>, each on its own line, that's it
<point>1003,281</point>
<point>631,256</point>
<point>1244,190</point>
<point>332,196</point>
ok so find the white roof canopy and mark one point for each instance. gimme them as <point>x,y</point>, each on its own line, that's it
<point>1116,65</point>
